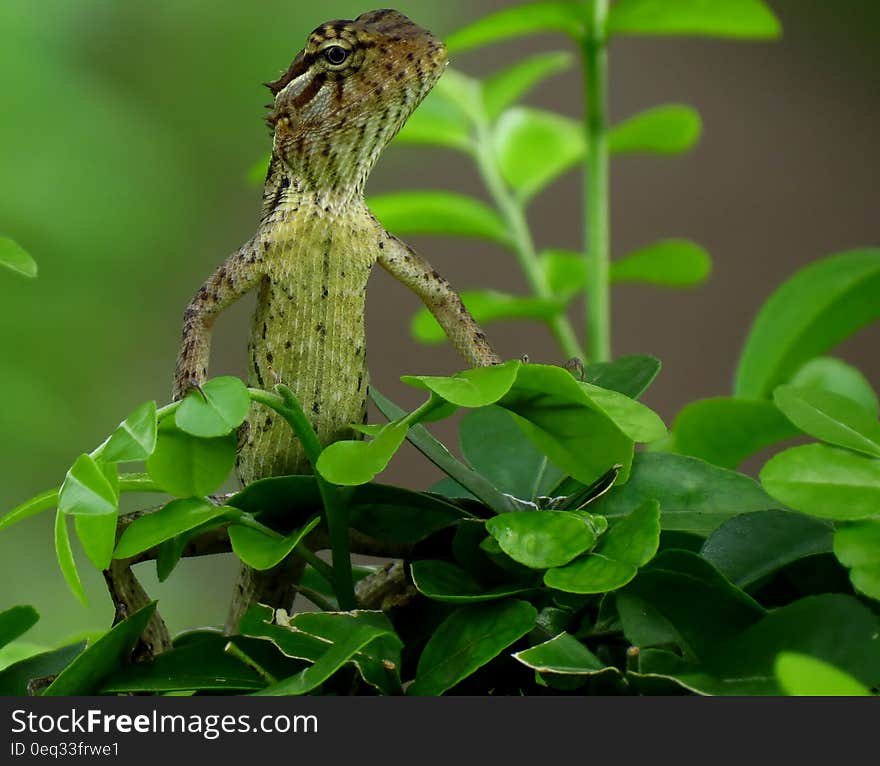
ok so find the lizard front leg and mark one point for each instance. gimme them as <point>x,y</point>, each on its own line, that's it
<point>238,274</point>
<point>406,266</point>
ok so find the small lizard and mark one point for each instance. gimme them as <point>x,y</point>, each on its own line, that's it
<point>339,103</point>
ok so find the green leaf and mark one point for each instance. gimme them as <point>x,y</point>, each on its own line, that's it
<point>134,439</point>
<point>176,517</point>
<point>542,539</point>
<point>13,256</point>
<point>87,672</point>
<point>217,409</point>
<point>562,654</point>
<point>437,122</point>
<point>463,91</point>
<point>754,545</point>
<point>694,496</point>
<point>15,678</point>
<point>87,490</point>
<point>202,665</point>
<point>436,452</point>
<point>400,520</point>
<point>747,663</point>
<point>470,388</point>
<point>628,375</point>
<point>261,551</point>
<point>810,626</point>
<point>668,263</point>
<point>725,431</point>
<point>831,418</point>
<point>486,306</point>
<point>518,21</point>
<point>637,421</point>
<point>16,621</point>
<point>829,374</point>
<point>565,423</point>
<point>466,640</point>
<point>259,622</point>
<point>363,638</point>
<point>441,213</point>
<point>43,502</point>
<point>824,481</point>
<point>565,272</point>
<point>747,19</point>
<point>535,147</point>
<point>668,129</point>
<point>682,599</point>
<point>353,462</point>
<point>97,535</point>
<point>800,675</point>
<point>289,498</point>
<point>443,581</point>
<point>813,311</point>
<point>187,466</point>
<point>671,263</point>
<point>18,651</point>
<point>498,449</point>
<point>64,554</point>
<point>508,86</point>
<point>629,544</point>
<point>857,546</point>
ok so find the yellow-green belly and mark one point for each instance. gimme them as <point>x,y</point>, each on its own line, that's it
<point>308,333</point>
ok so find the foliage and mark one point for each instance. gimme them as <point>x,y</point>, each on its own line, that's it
<point>557,555</point>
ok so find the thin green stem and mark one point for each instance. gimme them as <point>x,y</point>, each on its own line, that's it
<point>315,562</point>
<point>289,408</point>
<point>166,411</point>
<point>138,482</point>
<point>246,520</point>
<point>536,486</point>
<point>235,651</point>
<point>318,600</point>
<point>521,237</point>
<point>597,182</point>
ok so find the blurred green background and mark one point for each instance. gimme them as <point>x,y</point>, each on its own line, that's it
<point>126,132</point>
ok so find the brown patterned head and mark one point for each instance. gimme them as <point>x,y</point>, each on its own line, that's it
<point>348,93</point>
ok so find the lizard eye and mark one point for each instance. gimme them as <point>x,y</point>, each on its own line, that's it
<point>336,55</point>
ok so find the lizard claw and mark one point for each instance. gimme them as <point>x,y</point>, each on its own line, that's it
<point>576,367</point>
<point>184,390</point>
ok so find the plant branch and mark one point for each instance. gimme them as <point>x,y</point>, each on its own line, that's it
<point>288,407</point>
<point>597,182</point>
<point>523,245</point>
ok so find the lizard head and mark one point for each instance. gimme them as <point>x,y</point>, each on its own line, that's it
<point>349,92</point>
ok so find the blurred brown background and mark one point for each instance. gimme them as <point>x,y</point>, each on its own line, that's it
<point>126,131</point>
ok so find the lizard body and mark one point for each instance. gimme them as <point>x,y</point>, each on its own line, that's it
<point>341,101</point>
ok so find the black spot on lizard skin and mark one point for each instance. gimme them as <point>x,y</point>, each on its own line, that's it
<point>288,344</point>
<point>316,408</point>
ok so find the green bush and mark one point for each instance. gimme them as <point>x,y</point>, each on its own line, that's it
<point>554,558</point>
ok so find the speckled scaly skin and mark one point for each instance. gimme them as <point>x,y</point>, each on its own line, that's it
<point>344,97</point>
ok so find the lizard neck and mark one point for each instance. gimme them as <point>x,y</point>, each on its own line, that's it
<point>299,191</point>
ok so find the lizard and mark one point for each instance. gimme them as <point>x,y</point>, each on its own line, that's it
<point>344,97</point>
